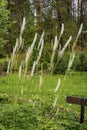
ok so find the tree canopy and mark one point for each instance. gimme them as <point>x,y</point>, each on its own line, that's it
<point>47,15</point>
<point>3,22</point>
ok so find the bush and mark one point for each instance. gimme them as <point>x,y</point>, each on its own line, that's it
<point>1,67</point>
<point>5,65</point>
<point>61,65</point>
<point>80,63</point>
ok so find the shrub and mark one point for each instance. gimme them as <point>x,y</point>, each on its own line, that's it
<point>61,65</point>
<point>1,67</point>
<point>5,65</point>
<point>80,63</point>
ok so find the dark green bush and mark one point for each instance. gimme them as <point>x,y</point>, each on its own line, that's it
<point>60,66</point>
<point>1,67</point>
<point>80,63</point>
<point>5,65</point>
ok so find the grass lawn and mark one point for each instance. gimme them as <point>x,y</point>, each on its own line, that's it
<point>28,91</point>
<point>75,85</point>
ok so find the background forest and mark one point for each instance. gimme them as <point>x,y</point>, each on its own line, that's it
<point>47,16</point>
<point>42,16</point>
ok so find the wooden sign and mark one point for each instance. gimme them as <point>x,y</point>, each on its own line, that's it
<point>78,101</point>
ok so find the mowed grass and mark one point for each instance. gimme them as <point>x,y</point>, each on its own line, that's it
<point>29,88</point>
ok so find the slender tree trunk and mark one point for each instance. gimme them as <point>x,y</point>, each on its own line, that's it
<point>39,16</point>
<point>81,21</point>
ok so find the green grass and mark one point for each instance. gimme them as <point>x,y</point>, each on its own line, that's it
<point>43,98</point>
<point>75,85</point>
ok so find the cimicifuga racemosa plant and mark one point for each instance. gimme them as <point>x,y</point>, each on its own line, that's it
<point>55,101</point>
<point>53,53</point>
<point>41,77</point>
<point>56,92</point>
<point>58,85</point>
<point>38,58</point>
<point>29,53</point>
<point>71,60</point>
<point>72,55</point>
<point>20,70</point>
<point>19,41</point>
<point>21,31</point>
<point>33,68</point>
<point>30,49</point>
<point>8,68</point>
<point>61,52</point>
<point>79,32</point>
<point>55,47</point>
<point>40,42</point>
<point>11,61</point>
<point>40,52</point>
<point>13,56</point>
<point>16,48</point>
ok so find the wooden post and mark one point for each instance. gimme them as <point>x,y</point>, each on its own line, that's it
<point>78,101</point>
<point>82,110</point>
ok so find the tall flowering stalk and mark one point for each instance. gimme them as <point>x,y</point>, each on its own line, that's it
<point>54,52</point>
<point>79,32</point>
<point>20,70</point>
<point>17,46</point>
<point>55,47</point>
<point>61,53</point>
<point>33,68</point>
<point>8,68</point>
<point>29,53</point>
<point>55,101</point>
<point>41,77</point>
<point>30,49</point>
<point>58,85</point>
<point>38,58</point>
<point>40,42</point>
<point>21,31</point>
<point>56,90</point>
<point>11,62</point>
<point>72,57</point>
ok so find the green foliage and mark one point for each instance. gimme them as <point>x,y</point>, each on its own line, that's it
<point>5,66</point>
<point>40,16</point>
<point>3,24</point>
<point>34,109</point>
<point>43,117</point>
<point>80,63</point>
<point>4,97</point>
<point>3,13</point>
<point>61,65</point>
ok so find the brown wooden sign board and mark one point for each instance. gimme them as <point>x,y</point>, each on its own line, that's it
<point>78,101</point>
